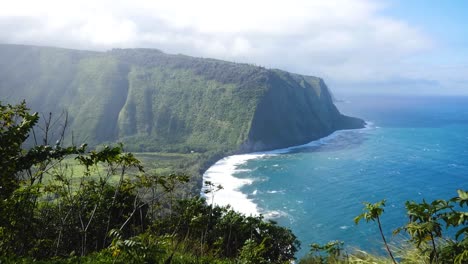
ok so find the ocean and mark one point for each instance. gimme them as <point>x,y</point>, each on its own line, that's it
<point>413,148</point>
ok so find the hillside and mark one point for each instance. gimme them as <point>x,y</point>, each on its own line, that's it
<point>157,102</point>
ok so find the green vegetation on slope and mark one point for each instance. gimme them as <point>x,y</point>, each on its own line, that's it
<point>157,102</point>
<point>67,205</point>
<point>183,112</point>
<point>52,212</point>
<point>428,229</point>
<point>150,100</point>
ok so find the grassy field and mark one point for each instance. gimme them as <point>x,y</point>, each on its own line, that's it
<point>165,163</point>
<point>155,163</point>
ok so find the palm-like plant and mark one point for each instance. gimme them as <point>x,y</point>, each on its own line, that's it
<point>424,223</point>
<point>372,212</point>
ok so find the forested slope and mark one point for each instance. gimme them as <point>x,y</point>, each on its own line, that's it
<point>154,101</point>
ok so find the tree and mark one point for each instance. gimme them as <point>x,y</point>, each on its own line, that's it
<point>15,124</point>
<point>424,223</point>
<point>20,176</point>
<point>35,216</point>
<point>372,212</point>
<point>50,210</point>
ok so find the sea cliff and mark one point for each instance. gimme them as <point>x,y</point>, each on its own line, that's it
<point>200,109</point>
<point>154,101</point>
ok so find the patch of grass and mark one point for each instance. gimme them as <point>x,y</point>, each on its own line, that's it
<point>155,163</point>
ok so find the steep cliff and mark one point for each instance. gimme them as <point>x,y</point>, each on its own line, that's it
<point>154,101</point>
<point>295,110</point>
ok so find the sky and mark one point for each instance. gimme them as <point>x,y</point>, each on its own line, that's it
<point>378,46</point>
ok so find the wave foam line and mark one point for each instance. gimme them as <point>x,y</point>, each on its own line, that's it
<point>317,142</point>
<point>223,171</point>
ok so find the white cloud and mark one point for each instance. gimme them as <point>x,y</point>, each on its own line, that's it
<point>343,40</point>
<point>107,30</point>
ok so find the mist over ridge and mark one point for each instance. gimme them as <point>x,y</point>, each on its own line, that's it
<point>154,101</point>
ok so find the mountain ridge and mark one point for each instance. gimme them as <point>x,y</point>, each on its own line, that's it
<point>153,101</point>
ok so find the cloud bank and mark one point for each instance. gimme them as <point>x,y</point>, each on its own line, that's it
<point>340,40</point>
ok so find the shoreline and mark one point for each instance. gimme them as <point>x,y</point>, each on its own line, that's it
<point>223,171</point>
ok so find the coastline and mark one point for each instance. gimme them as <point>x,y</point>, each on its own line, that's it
<point>223,173</point>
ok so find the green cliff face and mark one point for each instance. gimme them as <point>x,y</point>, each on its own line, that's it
<point>153,101</point>
<point>295,110</point>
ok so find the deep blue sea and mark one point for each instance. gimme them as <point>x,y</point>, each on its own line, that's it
<point>414,148</point>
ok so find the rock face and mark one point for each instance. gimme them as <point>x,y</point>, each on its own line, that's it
<point>154,101</point>
<point>295,110</point>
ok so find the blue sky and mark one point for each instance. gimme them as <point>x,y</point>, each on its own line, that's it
<point>373,46</point>
<point>444,21</point>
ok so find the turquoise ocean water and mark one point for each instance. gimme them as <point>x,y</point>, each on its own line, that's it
<point>413,148</point>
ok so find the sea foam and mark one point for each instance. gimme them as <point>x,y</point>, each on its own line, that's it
<point>223,173</point>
